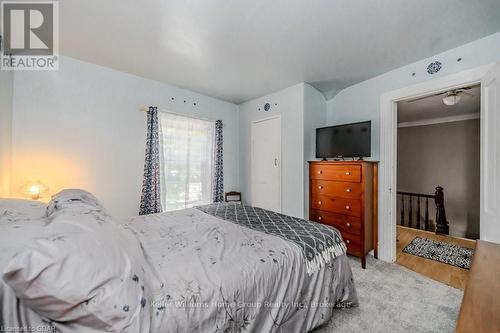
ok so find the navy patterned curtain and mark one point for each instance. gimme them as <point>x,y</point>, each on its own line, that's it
<point>218,181</point>
<point>151,193</point>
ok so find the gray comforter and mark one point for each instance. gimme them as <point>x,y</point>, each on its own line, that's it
<point>319,243</point>
<point>209,275</point>
<point>217,276</point>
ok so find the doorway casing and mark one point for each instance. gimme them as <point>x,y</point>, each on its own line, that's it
<point>388,147</point>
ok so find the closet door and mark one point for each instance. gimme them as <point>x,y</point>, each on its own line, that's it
<point>266,164</point>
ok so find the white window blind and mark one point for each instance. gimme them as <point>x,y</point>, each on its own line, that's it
<point>186,161</point>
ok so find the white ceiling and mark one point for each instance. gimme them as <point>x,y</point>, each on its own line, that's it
<point>433,107</point>
<point>239,50</point>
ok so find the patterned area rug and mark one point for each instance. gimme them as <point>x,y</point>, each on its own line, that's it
<point>450,254</point>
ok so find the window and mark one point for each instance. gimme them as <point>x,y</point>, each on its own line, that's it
<point>186,161</point>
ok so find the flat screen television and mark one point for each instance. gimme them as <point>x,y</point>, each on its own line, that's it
<point>348,140</point>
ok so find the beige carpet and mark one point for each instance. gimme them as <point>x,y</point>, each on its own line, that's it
<point>395,299</point>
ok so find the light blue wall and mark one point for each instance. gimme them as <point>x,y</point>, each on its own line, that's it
<point>314,117</point>
<point>6,91</point>
<point>289,105</point>
<point>88,117</point>
<point>302,109</point>
<point>361,101</point>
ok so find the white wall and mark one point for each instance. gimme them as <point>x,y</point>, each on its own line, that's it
<point>290,104</point>
<point>361,101</point>
<point>81,127</point>
<point>6,91</point>
<point>302,109</point>
<point>314,117</point>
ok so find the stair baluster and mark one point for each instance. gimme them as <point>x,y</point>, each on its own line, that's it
<point>418,212</point>
<point>410,215</point>
<point>426,214</point>
<point>441,223</point>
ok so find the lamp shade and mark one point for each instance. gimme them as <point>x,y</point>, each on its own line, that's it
<point>34,190</point>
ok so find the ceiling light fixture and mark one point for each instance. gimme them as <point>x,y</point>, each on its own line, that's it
<point>451,98</point>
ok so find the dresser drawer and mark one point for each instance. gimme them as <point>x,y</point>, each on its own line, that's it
<point>339,172</point>
<point>353,242</point>
<point>342,222</point>
<point>335,188</point>
<point>346,206</point>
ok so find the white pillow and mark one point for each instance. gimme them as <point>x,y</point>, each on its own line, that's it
<point>74,198</point>
<point>85,269</point>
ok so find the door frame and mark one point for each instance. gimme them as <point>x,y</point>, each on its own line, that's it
<point>254,122</point>
<point>388,147</point>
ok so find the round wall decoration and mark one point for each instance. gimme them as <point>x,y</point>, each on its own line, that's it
<point>434,67</point>
<point>267,106</point>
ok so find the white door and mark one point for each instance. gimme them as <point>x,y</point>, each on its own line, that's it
<point>490,156</point>
<point>266,164</point>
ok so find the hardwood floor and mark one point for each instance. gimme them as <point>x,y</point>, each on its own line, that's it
<point>448,274</point>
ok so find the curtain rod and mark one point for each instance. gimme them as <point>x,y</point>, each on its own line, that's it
<point>146,109</point>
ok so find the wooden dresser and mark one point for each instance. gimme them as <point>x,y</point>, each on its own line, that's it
<point>343,194</point>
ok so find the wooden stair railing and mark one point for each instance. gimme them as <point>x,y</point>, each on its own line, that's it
<point>441,226</point>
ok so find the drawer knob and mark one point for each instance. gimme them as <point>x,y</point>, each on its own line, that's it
<point>348,207</point>
<point>320,172</point>
<point>348,241</point>
<point>348,173</point>
<point>319,218</point>
<point>320,187</point>
<point>348,190</point>
<point>319,203</point>
<point>348,224</point>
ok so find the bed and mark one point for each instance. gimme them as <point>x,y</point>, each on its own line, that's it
<point>215,268</point>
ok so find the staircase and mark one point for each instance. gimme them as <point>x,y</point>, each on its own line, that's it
<point>411,212</point>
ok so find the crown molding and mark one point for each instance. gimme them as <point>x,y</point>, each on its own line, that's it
<point>441,120</point>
